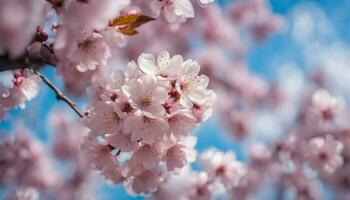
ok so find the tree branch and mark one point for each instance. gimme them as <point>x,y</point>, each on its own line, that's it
<point>59,94</point>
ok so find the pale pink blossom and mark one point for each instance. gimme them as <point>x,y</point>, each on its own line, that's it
<point>104,118</point>
<point>324,107</point>
<point>26,86</point>
<point>146,182</point>
<point>97,155</point>
<point>146,94</point>
<point>223,166</point>
<point>166,66</point>
<point>145,129</point>
<point>145,157</point>
<point>121,141</point>
<point>191,86</point>
<point>200,188</point>
<point>173,10</point>
<point>89,52</point>
<point>177,156</point>
<point>180,122</point>
<point>325,154</point>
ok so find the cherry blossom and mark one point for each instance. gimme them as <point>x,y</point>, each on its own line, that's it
<point>138,113</point>
<point>173,10</point>
<point>325,154</point>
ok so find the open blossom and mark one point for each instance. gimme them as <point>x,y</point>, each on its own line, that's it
<point>145,129</point>
<point>191,86</point>
<point>325,154</point>
<point>323,106</point>
<point>165,66</point>
<point>90,52</point>
<point>146,182</point>
<point>173,10</point>
<point>25,87</point>
<point>138,113</point>
<point>223,167</point>
<point>146,94</point>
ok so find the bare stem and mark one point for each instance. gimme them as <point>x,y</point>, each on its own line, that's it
<point>59,94</point>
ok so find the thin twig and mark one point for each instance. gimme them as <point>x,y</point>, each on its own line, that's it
<point>59,94</point>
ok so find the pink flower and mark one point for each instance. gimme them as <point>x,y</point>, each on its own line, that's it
<point>223,167</point>
<point>145,157</point>
<point>146,182</point>
<point>180,122</point>
<point>324,107</point>
<point>145,129</point>
<point>112,173</point>
<point>89,52</point>
<point>121,141</point>
<point>165,67</point>
<point>146,94</point>
<point>173,10</point>
<point>177,156</point>
<point>191,86</point>
<point>200,188</point>
<point>96,155</point>
<point>104,118</point>
<point>26,86</point>
<point>325,154</point>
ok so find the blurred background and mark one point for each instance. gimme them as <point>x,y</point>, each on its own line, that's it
<point>315,36</point>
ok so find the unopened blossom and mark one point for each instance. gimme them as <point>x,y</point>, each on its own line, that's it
<point>173,10</point>
<point>223,166</point>
<point>325,154</point>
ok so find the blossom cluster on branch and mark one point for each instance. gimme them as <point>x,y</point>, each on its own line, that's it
<point>147,113</point>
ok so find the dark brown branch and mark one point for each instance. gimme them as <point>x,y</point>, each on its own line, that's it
<point>59,94</point>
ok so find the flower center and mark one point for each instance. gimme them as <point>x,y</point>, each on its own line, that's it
<point>146,101</point>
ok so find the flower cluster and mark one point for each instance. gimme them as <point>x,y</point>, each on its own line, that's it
<point>221,172</point>
<point>25,87</point>
<point>147,112</point>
